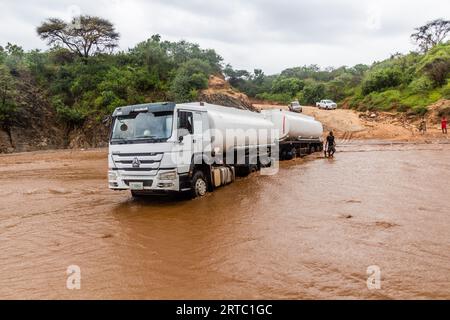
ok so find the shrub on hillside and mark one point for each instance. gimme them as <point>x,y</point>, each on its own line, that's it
<point>8,94</point>
<point>416,100</point>
<point>380,80</point>
<point>275,97</point>
<point>191,77</point>
<point>287,85</point>
<point>383,100</point>
<point>446,91</point>
<point>312,92</point>
<point>436,64</point>
<point>420,85</point>
<point>438,71</point>
<point>67,114</point>
<point>420,110</point>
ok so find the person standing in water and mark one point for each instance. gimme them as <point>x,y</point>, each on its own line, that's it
<point>444,125</point>
<point>330,146</point>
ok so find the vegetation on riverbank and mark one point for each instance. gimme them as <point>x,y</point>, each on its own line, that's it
<point>403,82</point>
<point>79,87</point>
<point>83,78</point>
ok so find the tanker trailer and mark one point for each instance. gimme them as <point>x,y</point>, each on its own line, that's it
<point>300,135</point>
<point>239,136</point>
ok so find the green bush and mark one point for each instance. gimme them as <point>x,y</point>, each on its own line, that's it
<point>14,58</point>
<point>402,108</point>
<point>420,85</point>
<point>191,77</point>
<point>8,94</point>
<point>415,100</point>
<point>436,64</point>
<point>386,100</point>
<point>287,86</point>
<point>335,90</point>
<point>275,97</point>
<point>67,114</point>
<point>3,55</point>
<point>421,111</point>
<point>380,80</point>
<point>438,71</point>
<point>312,92</point>
<point>445,91</point>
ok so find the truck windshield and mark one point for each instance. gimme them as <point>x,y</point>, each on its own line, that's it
<point>142,127</point>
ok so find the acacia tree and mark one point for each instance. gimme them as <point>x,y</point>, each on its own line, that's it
<point>84,35</point>
<point>431,34</point>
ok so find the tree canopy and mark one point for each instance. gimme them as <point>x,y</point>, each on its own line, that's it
<point>431,34</point>
<point>84,35</point>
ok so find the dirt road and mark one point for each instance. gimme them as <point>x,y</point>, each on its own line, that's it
<point>349,124</point>
<point>310,231</point>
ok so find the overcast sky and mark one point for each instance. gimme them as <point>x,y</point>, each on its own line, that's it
<point>271,35</point>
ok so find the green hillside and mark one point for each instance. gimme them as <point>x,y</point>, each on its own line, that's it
<point>403,82</point>
<point>80,83</point>
<point>79,88</point>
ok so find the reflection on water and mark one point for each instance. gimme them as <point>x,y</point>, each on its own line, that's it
<point>309,232</point>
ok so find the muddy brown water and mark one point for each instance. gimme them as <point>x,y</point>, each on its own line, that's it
<point>311,231</point>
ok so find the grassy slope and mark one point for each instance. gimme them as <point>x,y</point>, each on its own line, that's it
<point>415,88</point>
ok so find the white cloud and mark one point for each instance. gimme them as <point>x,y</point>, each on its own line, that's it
<point>249,34</point>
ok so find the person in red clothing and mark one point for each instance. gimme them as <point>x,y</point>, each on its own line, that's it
<point>444,125</point>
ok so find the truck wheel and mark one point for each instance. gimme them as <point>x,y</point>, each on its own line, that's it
<point>291,155</point>
<point>199,186</point>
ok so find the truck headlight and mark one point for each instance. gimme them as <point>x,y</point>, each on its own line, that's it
<point>171,175</point>
<point>112,176</point>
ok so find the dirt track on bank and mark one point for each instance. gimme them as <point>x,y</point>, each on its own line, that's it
<point>349,124</point>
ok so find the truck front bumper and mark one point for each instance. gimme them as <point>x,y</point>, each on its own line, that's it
<point>165,180</point>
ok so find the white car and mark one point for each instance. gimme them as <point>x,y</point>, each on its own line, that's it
<point>295,107</point>
<point>327,105</point>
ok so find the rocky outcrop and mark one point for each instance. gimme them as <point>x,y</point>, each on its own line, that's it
<point>91,135</point>
<point>5,142</point>
<point>220,92</point>
<point>34,126</point>
<point>437,110</point>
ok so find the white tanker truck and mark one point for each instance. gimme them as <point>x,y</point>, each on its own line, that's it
<point>197,147</point>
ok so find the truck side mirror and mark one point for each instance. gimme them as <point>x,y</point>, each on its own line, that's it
<point>182,132</point>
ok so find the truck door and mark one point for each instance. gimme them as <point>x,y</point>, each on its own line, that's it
<point>198,133</point>
<point>190,134</point>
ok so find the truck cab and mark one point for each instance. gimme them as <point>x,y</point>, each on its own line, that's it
<point>152,147</point>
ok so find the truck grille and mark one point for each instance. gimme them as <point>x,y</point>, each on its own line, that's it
<point>147,183</point>
<point>141,163</point>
